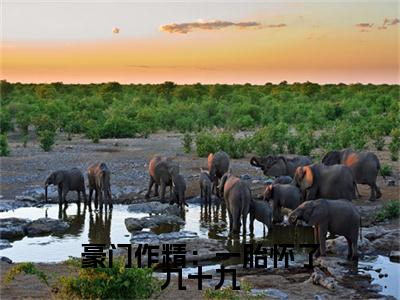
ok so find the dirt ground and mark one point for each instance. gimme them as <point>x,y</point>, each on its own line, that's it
<point>27,168</point>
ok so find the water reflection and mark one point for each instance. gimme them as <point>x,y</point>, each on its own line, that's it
<point>100,227</point>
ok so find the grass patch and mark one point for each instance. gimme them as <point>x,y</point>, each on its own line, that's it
<point>117,282</point>
<point>230,294</point>
<point>28,269</point>
<point>386,170</point>
<point>390,210</point>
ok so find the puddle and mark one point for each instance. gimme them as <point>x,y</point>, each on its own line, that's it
<point>109,227</point>
<point>390,283</point>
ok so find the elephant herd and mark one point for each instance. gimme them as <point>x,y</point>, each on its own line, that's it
<point>318,193</point>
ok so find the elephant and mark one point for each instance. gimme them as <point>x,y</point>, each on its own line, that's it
<point>237,198</point>
<point>218,165</point>
<point>205,186</point>
<point>280,165</point>
<point>283,180</point>
<point>364,165</point>
<point>161,170</point>
<point>282,195</point>
<point>67,180</point>
<point>179,189</point>
<point>260,211</point>
<point>330,182</point>
<point>99,181</point>
<point>339,217</point>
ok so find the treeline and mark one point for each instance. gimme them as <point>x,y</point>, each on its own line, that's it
<point>335,115</point>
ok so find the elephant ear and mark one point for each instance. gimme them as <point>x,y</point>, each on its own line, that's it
<point>221,185</point>
<point>209,161</point>
<point>317,213</point>
<point>304,177</point>
<point>58,177</point>
<point>298,176</point>
<point>285,162</point>
<point>331,158</point>
<point>268,193</point>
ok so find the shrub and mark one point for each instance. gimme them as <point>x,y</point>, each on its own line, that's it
<point>205,144</point>
<point>92,131</point>
<point>390,210</point>
<point>386,170</point>
<point>26,268</point>
<point>187,140</point>
<point>306,143</point>
<point>394,145</point>
<point>378,140</point>
<point>116,282</point>
<point>46,139</point>
<point>5,121</point>
<point>4,148</point>
<point>262,142</point>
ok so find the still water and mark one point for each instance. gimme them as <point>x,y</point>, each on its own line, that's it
<point>108,227</point>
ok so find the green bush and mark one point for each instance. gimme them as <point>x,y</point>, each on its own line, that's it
<point>117,282</point>
<point>92,131</point>
<point>187,140</point>
<point>394,145</point>
<point>205,144</point>
<point>386,170</point>
<point>378,140</point>
<point>27,268</point>
<point>4,148</point>
<point>46,139</point>
<point>262,142</point>
<point>390,210</point>
<point>5,121</point>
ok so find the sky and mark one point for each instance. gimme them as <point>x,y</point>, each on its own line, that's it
<point>194,41</point>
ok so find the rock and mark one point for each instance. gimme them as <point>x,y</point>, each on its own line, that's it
<point>4,244</point>
<point>388,242</point>
<point>391,182</point>
<point>255,181</point>
<point>245,177</point>
<point>155,239</point>
<point>394,256</point>
<point>269,293</point>
<point>25,198</point>
<point>318,277</point>
<point>154,207</point>
<point>375,288</point>
<point>6,205</point>
<point>11,228</point>
<point>133,224</point>
<point>45,226</point>
<point>334,265</point>
<point>339,246</point>
<point>6,259</point>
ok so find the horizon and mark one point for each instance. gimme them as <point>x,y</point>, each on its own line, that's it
<point>228,42</point>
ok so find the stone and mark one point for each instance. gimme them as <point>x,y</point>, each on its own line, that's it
<point>318,277</point>
<point>45,226</point>
<point>339,246</point>
<point>154,207</point>
<point>6,259</point>
<point>11,228</point>
<point>4,244</point>
<point>394,256</point>
<point>133,224</point>
<point>155,239</point>
<point>391,182</point>
<point>6,205</point>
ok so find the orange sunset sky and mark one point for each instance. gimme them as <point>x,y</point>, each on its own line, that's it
<point>200,41</point>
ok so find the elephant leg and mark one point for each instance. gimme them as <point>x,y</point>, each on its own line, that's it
<point>84,194</point>
<point>147,196</point>
<point>316,240</point>
<point>244,221</point>
<point>79,197</point>
<point>64,195</point>
<point>372,197</point>
<point>252,223</point>
<point>322,231</point>
<point>163,187</point>
<point>201,193</point>
<point>349,248</point>
<point>60,197</point>
<point>378,191</point>
<point>90,194</point>
<point>230,220</point>
<point>96,198</point>
<point>156,190</point>
<point>235,220</point>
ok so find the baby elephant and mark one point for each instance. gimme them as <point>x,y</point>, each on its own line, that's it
<point>179,189</point>
<point>205,186</point>
<point>67,180</point>
<point>237,198</point>
<point>99,181</point>
<point>282,195</point>
<point>336,216</point>
<point>260,211</point>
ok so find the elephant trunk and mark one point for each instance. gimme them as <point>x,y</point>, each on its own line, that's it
<point>45,191</point>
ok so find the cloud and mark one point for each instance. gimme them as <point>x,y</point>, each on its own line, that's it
<point>276,25</point>
<point>364,25</point>
<point>184,28</point>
